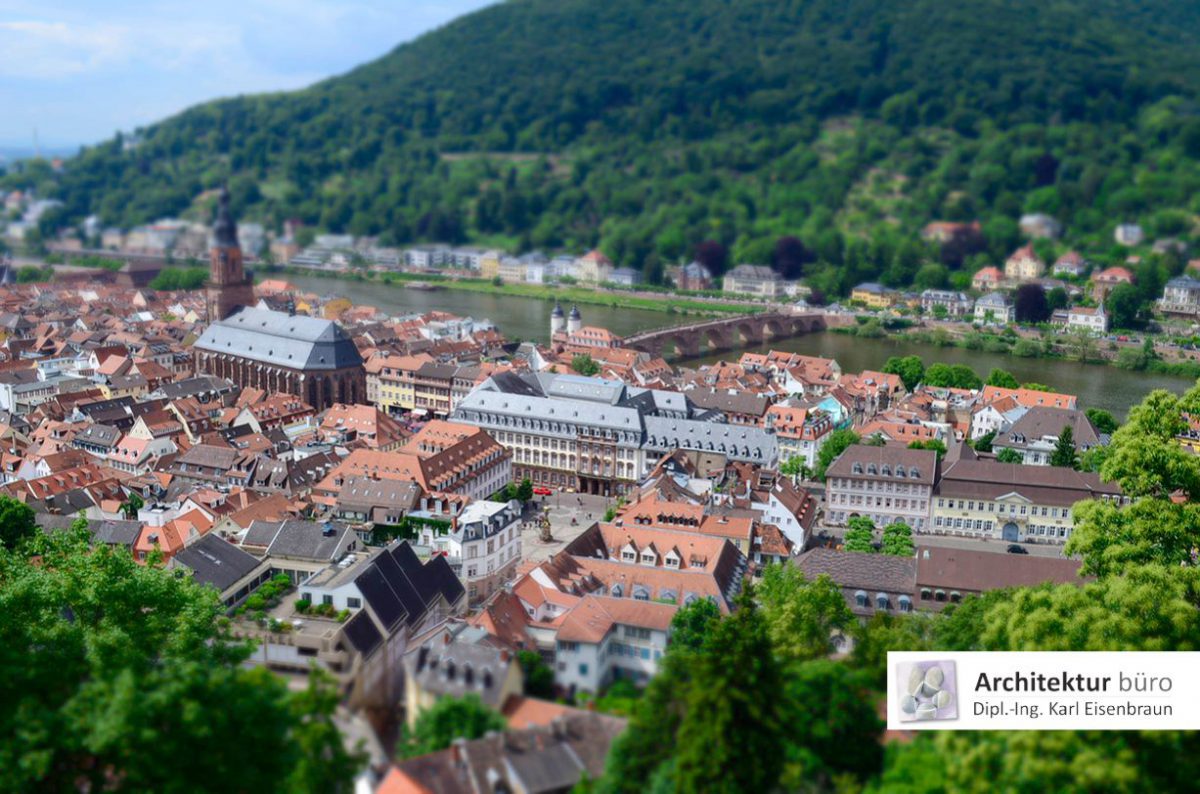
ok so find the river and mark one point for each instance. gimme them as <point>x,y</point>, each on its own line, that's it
<point>1097,385</point>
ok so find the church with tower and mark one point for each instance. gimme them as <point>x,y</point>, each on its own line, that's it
<point>281,353</point>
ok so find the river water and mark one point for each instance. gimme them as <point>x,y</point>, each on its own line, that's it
<point>1096,385</point>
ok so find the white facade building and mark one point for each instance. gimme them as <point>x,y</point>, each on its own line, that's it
<point>483,545</point>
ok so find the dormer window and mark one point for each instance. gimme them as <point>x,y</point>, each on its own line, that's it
<point>860,598</point>
<point>872,468</point>
<point>881,601</point>
<point>887,470</point>
<point>857,469</point>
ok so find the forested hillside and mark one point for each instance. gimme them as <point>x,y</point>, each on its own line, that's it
<point>646,128</point>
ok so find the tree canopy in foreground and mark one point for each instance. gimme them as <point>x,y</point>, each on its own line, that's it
<point>120,676</point>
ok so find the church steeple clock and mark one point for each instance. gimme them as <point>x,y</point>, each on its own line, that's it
<point>229,289</point>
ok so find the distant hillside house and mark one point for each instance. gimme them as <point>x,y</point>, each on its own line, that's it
<point>1039,225</point>
<point>1094,320</point>
<point>987,279</point>
<point>625,277</point>
<point>956,304</point>
<point>1107,280</point>
<point>1129,234</point>
<point>1070,264</point>
<point>694,277</point>
<point>995,309</point>
<point>1181,296</point>
<point>757,280</point>
<point>873,295</point>
<point>1024,265</point>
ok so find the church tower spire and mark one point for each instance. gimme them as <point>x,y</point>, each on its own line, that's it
<point>229,289</point>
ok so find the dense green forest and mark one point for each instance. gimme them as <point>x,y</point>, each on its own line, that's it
<point>646,128</point>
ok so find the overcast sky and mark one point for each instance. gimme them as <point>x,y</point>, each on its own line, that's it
<point>80,70</point>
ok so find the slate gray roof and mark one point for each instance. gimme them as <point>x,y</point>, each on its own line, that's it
<point>369,493</point>
<point>399,588</point>
<point>215,561</point>
<point>1040,421</point>
<point>99,435</point>
<point>190,387</point>
<point>297,538</point>
<point>539,760</point>
<point>459,669</point>
<point>920,465</point>
<point>109,532</point>
<point>1043,485</point>
<point>741,402</point>
<point>283,340</point>
<point>738,442</point>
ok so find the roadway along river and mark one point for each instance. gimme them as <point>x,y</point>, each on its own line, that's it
<point>526,318</point>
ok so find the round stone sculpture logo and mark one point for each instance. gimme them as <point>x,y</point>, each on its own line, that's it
<point>928,691</point>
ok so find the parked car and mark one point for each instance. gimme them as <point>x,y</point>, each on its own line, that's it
<point>542,490</point>
<point>1013,548</point>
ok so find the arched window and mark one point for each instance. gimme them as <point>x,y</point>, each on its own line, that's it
<point>881,601</point>
<point>860,598</point>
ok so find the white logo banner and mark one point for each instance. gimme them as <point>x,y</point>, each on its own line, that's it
<point>1050,691</point>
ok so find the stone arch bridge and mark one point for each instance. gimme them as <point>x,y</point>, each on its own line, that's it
<point>725,333</point>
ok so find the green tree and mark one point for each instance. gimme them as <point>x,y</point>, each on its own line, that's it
<point>17,522</point>
<point>1123,305</point>
<point>803,616</point>
<point>860,535</point>
<point>1102,420</point>
<point>837,443</point>
<point>131,506</point>
<point>1145,457</point>
<point>956,376</point>
<point>829,707</point>
<point>910,369</point>
<point>692,624</point>
<point>1111,538</point>
<point>898,540</point>
<point>525,490</point>
<point>733,711</point>
<point>1147,607</point>
<point>1065,454</point>
<point>584,364</point>
<point>539,678</point>
<point>935,444</point>
<point>1002,378</point>
<point>104,657</point>
<point>795,467</point>
<point>448,719</point>
<point>1009,456</point>
<point>984,442</point>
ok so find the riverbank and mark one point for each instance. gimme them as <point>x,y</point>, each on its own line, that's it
<point>668,303</point>
<point>1077,348</point>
